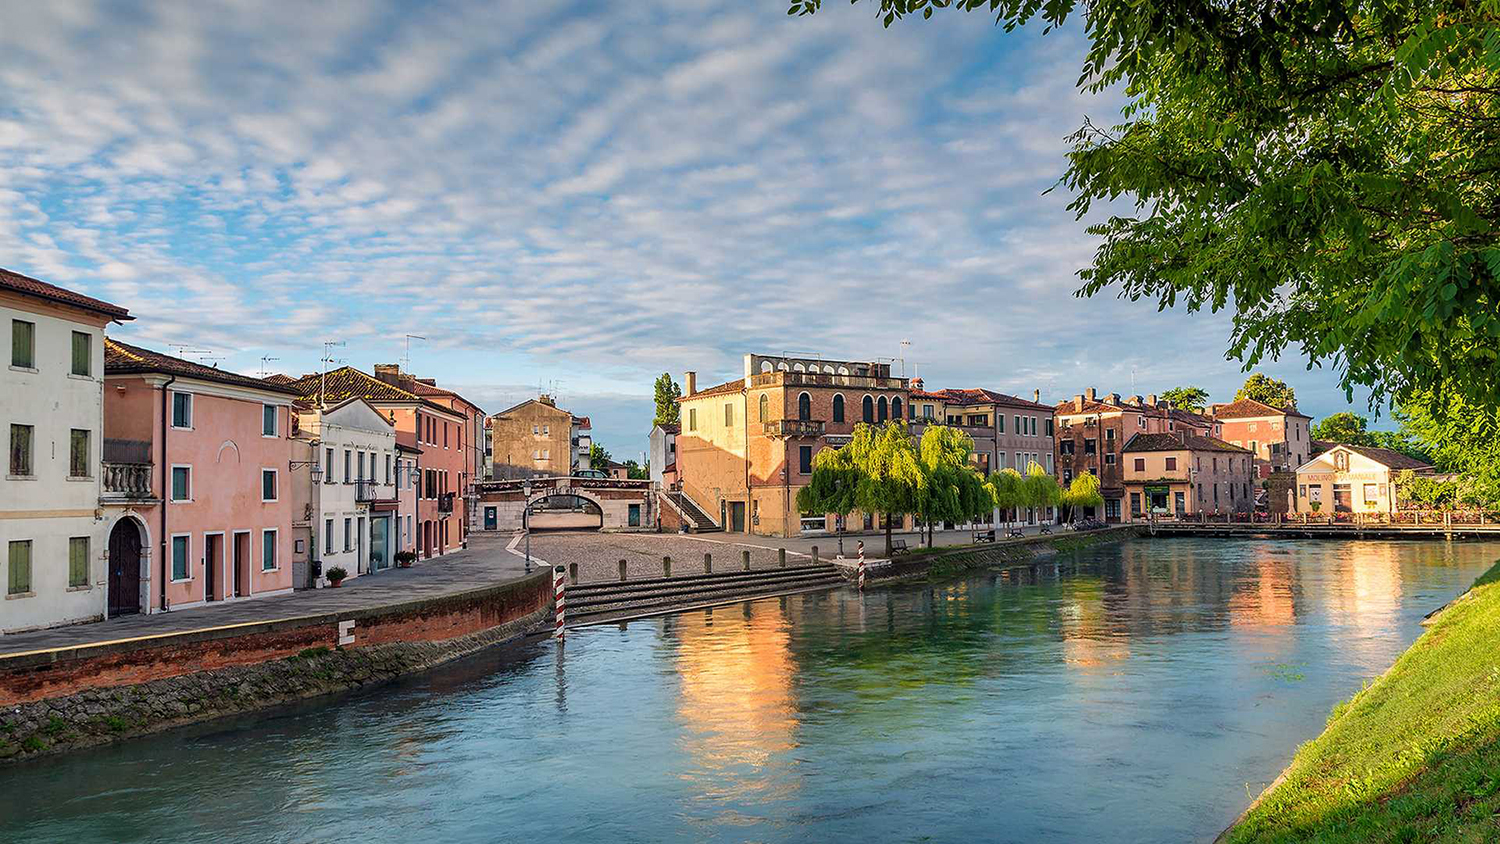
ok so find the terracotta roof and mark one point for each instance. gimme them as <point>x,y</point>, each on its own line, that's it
<point>671,428</point>
<point>125,359</point>
<point>346,382</point>
<point>1172,442</point>
<point>1065,408</point>
<point>516,407</point>
<point>727,387</point>
<point>1250,408</point>
<point>278,378</point>
<point>28,285</point>
<point>1389,458</point>
<point>407,441</point>
<point>583,422</point>
<point>422,387</point>
<point>977,396</point>
<point>1320,446</point>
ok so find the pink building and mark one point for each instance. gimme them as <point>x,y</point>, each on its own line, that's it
<point>197,486</point>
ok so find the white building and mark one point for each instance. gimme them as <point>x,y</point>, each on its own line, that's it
<point>52,401</point>
<point>355,501</point>
<point>663,454</point>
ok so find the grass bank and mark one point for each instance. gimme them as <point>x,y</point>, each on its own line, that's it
<point>1413,757</point>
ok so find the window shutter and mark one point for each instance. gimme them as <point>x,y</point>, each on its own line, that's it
<point>78,561</point>
<point>82,363</point>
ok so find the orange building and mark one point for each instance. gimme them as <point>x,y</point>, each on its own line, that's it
<point>1280,439</point>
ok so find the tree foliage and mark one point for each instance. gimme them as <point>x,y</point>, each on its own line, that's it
<point>1007,490</point>
<point>1344,427</point>
<point>599,458</point>
<point>952,490</point>
<point>1460,437</point>
<point>1267,390</point>
<point>1084,492</point>
<point>1194,399</point>
<point>1040,489</point>
<point>878,471</point>
<point>667,394</point>
<point>1326,169</point>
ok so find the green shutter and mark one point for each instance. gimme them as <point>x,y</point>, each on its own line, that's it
<point>267,550</point>
<point>20,450</point>
<point>22,344</point>
<point>179,557</point>
<point>19,570</point>
<point>78,454</point>
<point>78,561</point>
<point>82,354</point>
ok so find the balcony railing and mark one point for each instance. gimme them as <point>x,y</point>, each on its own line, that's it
<point>126,483</point>
<point>445,502</point>
<point>823,379</point>
<point>795,427</point>
<point>366,491</point>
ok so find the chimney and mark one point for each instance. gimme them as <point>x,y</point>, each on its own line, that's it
<point>689,382</point>
<point>1078,403</point>
<point>1036,396</point>
<point>1151,400</point>
<point>1089,394</point>
<point>1114,399</point>
<point>916,384</point>
<point>390,373</point>
<point>547,400</point>
<point>1138,401</point>
<point>1182,435</point>
<point>431,382</point>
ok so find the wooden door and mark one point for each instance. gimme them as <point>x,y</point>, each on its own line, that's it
<point>213,556</point>
<point>240,563</point>
<point>124,568</point>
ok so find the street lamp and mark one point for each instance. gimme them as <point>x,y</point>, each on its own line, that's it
<point>526,519</point>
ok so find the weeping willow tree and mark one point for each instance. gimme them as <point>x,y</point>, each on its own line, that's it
<point>951,491</point>
<point>1039,488</point>
<point>1007,491</point>
<point>1083,492</point>
<point>879,471</point>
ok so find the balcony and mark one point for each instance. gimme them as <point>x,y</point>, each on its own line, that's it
<point>127,483</point>
<point>795,427</point>
<point>823,379</point>
<point>445,502</point>
<point>366,492</point>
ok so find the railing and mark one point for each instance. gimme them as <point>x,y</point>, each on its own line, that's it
<point>823,379</point>
<point>367,491</point>
<point>125,482</point>
<point>445,502</point>
<point>794,427</point>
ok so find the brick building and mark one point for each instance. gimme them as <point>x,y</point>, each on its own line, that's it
<point>746,446</point>
<point>1280,439</point>
<point>536,438</point>
<point>1179,474</point>
<point>1091,433</point>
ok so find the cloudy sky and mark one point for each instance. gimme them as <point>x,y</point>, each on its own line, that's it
<point>574,195</point>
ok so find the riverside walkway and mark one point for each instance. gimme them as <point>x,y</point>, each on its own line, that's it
<point>484,563</point>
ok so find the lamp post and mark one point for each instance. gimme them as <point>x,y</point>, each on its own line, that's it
<point>526,519</point>
<point>315,501</point>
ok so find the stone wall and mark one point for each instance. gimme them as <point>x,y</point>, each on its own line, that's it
<point>950,562</point>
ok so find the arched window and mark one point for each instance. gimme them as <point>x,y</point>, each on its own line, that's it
<point>804,407</point>
<point>869,409</point>
<point>799,368</point>
<point>838,408</point>
<point>896,408</point>
<point>765,408</point>
<point>843,370</point>
<point>882,408</point>
<point>765,366</point>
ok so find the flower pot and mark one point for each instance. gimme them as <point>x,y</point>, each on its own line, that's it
<point>334,584</point>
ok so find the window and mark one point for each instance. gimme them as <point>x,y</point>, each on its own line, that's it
<point>1140,464</point>
<point>1017,420</point>
<point>268,550</point>
<point>868,410</point>
<point>328,536</point>
<point>182,483</point>
<point>83,354</point>
<point>268,420</point>
<point>267,484</point>
<point>1171,464</point>
<point>360,472</point>
<point>1000,423</point>
<point>23,344</point>
<point>1049,427</point>
<point>327,465</point>
<point>838,408</point>
<point>348,534</point>
<point>804,407</point>
<point>535,430</point>
<point>78,562</point>
<point>1140,421</point>
<point>927,412</point>
<point>1065,447</point>
<point>882,409</point>
<point>446,426</point>
<point>1031,424</point>
<point>78,454</point>
<point>546,454</point>
<point>896,408</point>
<point>20,451</point>
<point>180,568</point>
<point>765,408</point>
<point>728,415</point>
<point>804,459</point>
<point>18,573</point>
<point>693,419</point>
<point>546,430</point>
<point>1135,504</point>
<point>387,468</point>
<point>1214,465</point>
<point>1370,496</point>
<point>348,467</point>
<point>1109,459</point>
<point>1089,446</point>
<point>182,410</point>
<point>1109,435</point>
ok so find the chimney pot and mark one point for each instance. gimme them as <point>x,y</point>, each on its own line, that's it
<point>1078,404</point>
<point>1151,400</point>
<point>1089,394</point>
<point>689,382</point>
<point>1114,399</point>
<point>1138,401</point>
<point>1036,396</point>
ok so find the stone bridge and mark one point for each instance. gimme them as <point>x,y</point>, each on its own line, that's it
<point>622,504</point>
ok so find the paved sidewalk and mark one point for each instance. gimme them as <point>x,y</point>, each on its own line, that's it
<point>484,563</point>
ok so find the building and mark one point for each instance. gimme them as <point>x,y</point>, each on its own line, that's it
<point>408,477</point>
<point>1091,432</point>
<point>198,466</point>
<point>55,568</point>
<point>489,451</point>
<point>1353,479</point>
<point>351,489</point>
<point>1008,432</point>
<point>471,434</point>
<point>438,430</point>
<point>1280,439</point>
<point>662,458</point>
<point>536,438</point>
<point>1179,474</point>
<point>747,446</point>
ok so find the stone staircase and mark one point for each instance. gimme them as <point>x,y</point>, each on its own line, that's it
<point>702,522</point>
<point>592,603</point>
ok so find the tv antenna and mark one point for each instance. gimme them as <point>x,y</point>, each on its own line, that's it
<point>406,359</point>
<point>265,368</point>
<point>325,360</point>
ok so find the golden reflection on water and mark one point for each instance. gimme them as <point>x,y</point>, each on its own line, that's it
<point>1265,604</point>
<point>1089,640</point>
<point>735,670</point>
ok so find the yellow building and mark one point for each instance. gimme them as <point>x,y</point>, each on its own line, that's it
<point>1352,479</point>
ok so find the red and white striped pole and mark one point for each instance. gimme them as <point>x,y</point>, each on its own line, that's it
<point>861,567</point>
<point>560,592</point>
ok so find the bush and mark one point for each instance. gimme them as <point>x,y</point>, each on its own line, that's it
<point>336,574</point>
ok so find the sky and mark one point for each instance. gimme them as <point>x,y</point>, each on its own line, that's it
<point>576,197</point>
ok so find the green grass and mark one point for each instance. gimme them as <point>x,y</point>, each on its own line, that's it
<point>1413,757</point>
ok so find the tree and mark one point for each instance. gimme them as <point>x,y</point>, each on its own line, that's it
<point>598,457</point>
<point>667,394</point>
<point>636,472</point>
<point>1007,491</point>
<point>1040,490</point>
<point>1267,390</point>
<point>878,471</point>
<point>1194,399</point>
<point>1327,169</point>
<point>952,490</point>
<point>1460,437</point>
<point>1084,492</point>
<point>1343,427</point>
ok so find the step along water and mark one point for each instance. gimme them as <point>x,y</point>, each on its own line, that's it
<point>594,603</point>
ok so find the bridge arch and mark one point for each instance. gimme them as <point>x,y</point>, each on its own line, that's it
<point>570,509</point>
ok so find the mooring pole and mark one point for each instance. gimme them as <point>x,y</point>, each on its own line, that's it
<point>861,567</point>
<point>560,593</point>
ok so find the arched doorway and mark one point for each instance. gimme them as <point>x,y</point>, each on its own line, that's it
<point>566,512</point>
<point>124,568</point>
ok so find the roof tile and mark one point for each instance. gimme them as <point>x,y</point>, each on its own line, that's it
<point>26,284</point>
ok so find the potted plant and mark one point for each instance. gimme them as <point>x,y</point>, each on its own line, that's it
<point>404,559</point>
<point>336,576</point>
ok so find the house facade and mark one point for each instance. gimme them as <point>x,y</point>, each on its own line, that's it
<point>1349,479</point>
<point>408,474</point>
<point>214,522</point>
<point>538,439</point>
<point>1091,432</point>
<point>1280,439</point>
<point>354,501</point>
<point>471,434</point>
<point>1180,474</point>
<point>55,564</point>
<point>746,447</point>
<point>440,524</point>
<point>662,455</point>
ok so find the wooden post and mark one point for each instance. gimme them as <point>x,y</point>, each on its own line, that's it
<point>573,573</point>
<point>708,564</point>
<point>666,566</point>
<point>622,571</point>
<point>781,557</point>
<point>745,558</point>
<point>815,554</point>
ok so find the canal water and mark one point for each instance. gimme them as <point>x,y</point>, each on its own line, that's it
<point>1144,691</point>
